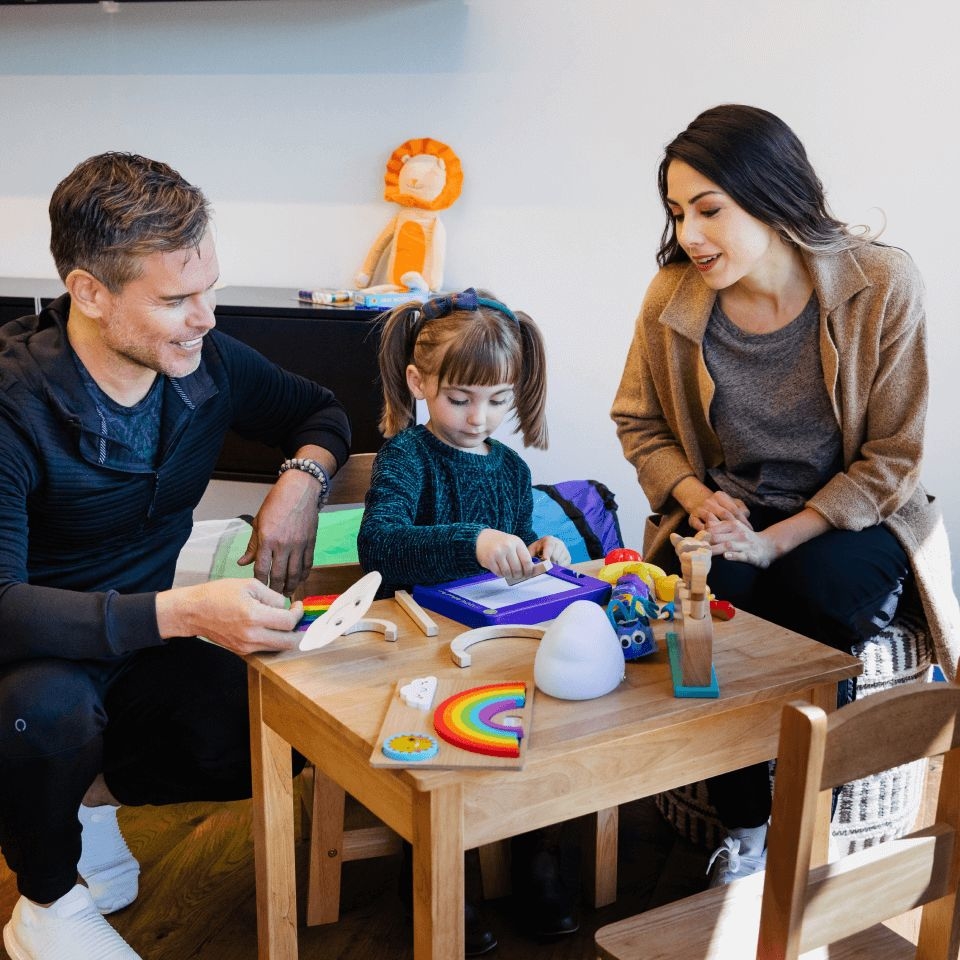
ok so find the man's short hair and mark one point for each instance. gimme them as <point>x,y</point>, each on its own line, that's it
<point>116,208</point>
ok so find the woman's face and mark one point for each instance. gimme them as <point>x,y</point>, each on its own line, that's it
<point>724,242</point>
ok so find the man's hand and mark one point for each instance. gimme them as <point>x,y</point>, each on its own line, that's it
<point>284,533</point>
<point>503,553</point>
<point>242,615</point>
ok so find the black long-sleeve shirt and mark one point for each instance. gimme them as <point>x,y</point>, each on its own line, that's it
<point>87,536</point>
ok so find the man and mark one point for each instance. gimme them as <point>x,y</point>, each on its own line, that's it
<point>114,403</point>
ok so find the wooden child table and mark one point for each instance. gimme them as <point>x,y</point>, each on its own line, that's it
<point>582,757</point>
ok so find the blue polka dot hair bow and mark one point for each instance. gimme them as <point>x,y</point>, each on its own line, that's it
<point>467,300</point>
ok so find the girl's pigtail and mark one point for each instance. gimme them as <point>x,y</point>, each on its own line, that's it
<point>530,390</point>
<point>398,337</point>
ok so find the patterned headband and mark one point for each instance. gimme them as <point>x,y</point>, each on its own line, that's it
<point>468,300</point>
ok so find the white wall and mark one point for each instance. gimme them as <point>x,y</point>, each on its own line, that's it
<point>286,110</point>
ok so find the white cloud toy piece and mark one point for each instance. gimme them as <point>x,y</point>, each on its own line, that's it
<point>579,657</point>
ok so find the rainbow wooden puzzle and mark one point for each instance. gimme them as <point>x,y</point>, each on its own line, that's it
<point>481,723</point>
<point>313,607</point>
<point>469,719</point>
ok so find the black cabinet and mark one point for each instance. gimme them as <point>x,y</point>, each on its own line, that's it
<point>13,307</point>
<point>19,297</point>
<point>334,346</point>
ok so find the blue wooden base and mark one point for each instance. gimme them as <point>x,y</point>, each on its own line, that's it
<point>679,690</point>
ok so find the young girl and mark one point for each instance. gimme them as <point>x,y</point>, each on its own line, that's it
<point>448,501</point>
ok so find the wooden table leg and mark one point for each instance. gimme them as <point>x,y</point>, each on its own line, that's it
<point>273,835</point>
<point>600,856</point>
<point>438,874</point>
<point>495,869</point>
<point>326,851</point>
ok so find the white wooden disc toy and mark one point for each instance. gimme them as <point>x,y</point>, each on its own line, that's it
<point>348,609</point>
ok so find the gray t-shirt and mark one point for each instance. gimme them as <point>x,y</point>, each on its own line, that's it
<point>137,428</point>
<point>771,412</point>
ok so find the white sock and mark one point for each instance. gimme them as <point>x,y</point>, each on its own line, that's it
<point>752,839</point>
<point>106,863</point>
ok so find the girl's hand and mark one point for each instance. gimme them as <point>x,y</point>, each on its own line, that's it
<point>503,553</point>
<point>716,507</point>
<point>738,541</point>
<point>550,548</point>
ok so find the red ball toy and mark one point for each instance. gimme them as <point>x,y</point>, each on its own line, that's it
<point>622,555</point>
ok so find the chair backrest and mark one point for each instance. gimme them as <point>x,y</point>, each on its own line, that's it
<point>804,909</point>
<point>348,485</point>
<point>351,482</point>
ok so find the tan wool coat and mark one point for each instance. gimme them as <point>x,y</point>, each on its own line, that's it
<point>873,350</point>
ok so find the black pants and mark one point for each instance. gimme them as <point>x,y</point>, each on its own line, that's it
<point>839,588</point>
<point>163,725</point>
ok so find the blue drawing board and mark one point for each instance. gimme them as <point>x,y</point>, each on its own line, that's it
<point>487,600</point>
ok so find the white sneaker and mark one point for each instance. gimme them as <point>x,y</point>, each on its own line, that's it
<point>109,869</point>
<point>71,928</point>
<point>728,863</point>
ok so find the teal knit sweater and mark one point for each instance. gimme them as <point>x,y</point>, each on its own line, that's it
<point>428,503</point>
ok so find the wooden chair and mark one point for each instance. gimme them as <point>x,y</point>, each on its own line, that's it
<point>794,908</point>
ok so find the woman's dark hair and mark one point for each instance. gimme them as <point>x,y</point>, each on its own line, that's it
<point>755,158</point>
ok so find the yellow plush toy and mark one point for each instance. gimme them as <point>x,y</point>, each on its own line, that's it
<point>423,176</point>
<point>649,573</point>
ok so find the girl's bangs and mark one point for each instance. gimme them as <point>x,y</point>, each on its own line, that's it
<point>481,361</point>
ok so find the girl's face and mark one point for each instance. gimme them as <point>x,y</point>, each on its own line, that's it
<point>724,242</point>
<point>461,416</point>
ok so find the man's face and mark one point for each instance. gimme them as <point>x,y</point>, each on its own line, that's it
<point>158,321</point>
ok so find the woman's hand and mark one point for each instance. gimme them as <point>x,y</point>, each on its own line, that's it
<point>503,553</point>
<point>704,505</point>
<point>738,541</point>
<point>719,506</point>
<point>734,540</point>
<point>550,548</point>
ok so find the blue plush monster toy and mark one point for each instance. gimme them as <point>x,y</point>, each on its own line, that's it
<point>630,609</point>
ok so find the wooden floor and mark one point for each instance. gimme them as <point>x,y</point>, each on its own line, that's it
<point>197,898</point>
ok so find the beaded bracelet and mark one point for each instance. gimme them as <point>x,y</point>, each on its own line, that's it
<point>315,471</point>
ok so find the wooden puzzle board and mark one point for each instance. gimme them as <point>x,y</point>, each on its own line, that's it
<point>401,719</point>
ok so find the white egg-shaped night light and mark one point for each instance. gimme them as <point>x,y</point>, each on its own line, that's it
<point>579,657</point>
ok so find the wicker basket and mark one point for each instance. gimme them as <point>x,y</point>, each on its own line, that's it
<point>868,811</point>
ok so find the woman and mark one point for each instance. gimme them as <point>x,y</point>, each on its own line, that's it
<point>774,395</point>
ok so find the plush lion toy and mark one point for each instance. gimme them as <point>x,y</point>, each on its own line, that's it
<point>423,176</point>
